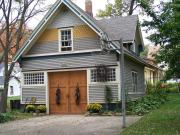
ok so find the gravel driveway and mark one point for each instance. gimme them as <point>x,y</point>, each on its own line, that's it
<point>66,125</point>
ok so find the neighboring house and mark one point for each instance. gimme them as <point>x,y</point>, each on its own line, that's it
<point>153,73</point>
<point>14,83</point>
<point>62,59</point>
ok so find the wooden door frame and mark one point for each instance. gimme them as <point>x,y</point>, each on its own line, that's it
<point>65,70</point>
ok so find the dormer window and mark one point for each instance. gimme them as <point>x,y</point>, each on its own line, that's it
<point>66,40</point>
<point>128,46</point>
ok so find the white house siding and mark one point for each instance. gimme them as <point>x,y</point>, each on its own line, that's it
<point>16,88</point>
<point>13,82</point>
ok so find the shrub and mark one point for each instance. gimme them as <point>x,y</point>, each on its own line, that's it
<point>30,108</point>
<point>41,108</point>
<point>94,108</point>
<point>147,103</point>
<point>108,94</point>
<point>4,117</point>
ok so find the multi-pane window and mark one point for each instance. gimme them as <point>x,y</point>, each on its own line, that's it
<point>134,81</point>
<point>110,75</point>
<point>66,40</point>
<point>33,78</point>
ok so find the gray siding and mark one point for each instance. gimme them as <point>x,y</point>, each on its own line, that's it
<point>97,93</point>
<point>44,47</point>
<point>86,43</point>
<point>53,46</point>
<point>130,66</point>
<point>66,19</point>
<point>35,91</point>
<point>68,61</point>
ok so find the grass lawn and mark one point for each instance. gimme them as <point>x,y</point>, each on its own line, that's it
<point>14,115</point>
<point>17,115</point>
<point>163,121</point>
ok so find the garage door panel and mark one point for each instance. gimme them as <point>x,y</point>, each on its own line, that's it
<point>68,82</point>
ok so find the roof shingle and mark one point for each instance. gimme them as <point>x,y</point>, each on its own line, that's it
<point>120,27</point>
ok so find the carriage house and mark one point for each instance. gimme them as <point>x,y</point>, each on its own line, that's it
<point>62,59</point>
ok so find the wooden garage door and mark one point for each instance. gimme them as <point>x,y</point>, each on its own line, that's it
<point>68,82</point>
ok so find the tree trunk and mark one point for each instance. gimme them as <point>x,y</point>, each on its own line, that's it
<point>131,7</point>
<point>3,103</point>
<point>6,79</point>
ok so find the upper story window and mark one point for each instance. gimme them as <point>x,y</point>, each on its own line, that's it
<point>33,78</point>
<point>66,40</point>
<point>134,81</point>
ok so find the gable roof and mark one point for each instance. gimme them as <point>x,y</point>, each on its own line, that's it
<point>107,29</point>
<point>43,23</point>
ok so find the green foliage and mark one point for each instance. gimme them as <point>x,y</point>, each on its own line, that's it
<point>145,52</point>
<point>119,7</point>
<point>173,87</point>
<point>94,108</point>
<point>30,108</point>
<point>111,9</point>
<point>158,87</point>
<point>108,94</point>
<point>162,121</point>
<point>41,108</point>
<point>4,117</point>
<point>166,24</point>
<point>147,103</point>
<point>13,115</point>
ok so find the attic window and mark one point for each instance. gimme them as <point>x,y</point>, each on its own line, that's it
<point>66,40</point>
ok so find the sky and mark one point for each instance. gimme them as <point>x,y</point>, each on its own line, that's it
<point>97,5</point>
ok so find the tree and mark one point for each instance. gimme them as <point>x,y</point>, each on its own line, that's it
<point>14,15</point>
<point>112,10</point>
<point>166,26</point>
<point>144,54</point>
<point>120,7</point>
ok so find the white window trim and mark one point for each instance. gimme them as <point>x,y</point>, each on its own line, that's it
<point>59,39</point>
<point>137,81</point>
<point>104,83</point>
<point>32,85</point>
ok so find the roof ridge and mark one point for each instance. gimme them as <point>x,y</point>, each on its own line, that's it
<point>116,17</point>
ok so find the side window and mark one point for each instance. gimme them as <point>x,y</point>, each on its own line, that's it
<point>66,40</point>
<point>134,81</point>
<point>11,90</point>
<point>33,78</point>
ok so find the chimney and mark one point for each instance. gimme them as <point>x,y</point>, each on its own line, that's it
<point>88,7</point>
